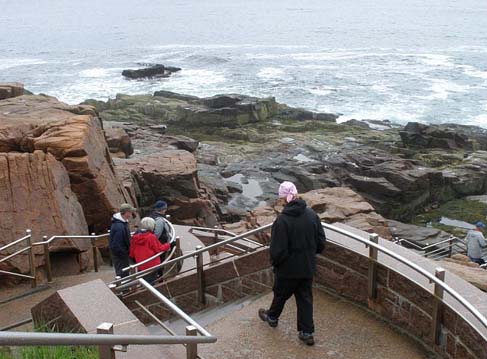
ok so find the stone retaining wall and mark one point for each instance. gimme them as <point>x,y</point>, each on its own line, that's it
<point>400,301</point>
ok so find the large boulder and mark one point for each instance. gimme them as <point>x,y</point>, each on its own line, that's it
<point>11,89</point>
<point>150,71</point>
<point>37,195</point>
<point>119,142</point>
<point>472,274</point>
<point>74,136</point>
<point>170,175</point>
<point>447,136</point>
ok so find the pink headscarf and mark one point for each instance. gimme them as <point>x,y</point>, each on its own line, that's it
<point>288,189</point>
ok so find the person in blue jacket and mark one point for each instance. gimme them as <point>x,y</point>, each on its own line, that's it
<point>119,242</point>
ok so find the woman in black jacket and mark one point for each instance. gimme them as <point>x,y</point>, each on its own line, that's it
<point>297,236</point>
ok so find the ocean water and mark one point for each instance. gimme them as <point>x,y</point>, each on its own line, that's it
<point>401,60</point>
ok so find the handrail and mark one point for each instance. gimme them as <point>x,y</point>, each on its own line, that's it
<point>416,268</point>
<point>173,238</point>
<point>11,244</point>
<point>175,308</point>
<point>53,339</point>
<point>221,230</point>
<point>118,282</point>
<point>430,245</point>
<point>86,236</point>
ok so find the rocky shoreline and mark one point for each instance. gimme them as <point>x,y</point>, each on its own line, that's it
<point>219,160</point>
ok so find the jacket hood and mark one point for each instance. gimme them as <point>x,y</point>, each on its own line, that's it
<point>140,237</point>
<point>118,217</point>
<point>295,208</point>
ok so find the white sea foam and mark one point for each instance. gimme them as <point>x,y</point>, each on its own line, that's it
<point>436,60</point>
<point>96,72</point>
<point>321,91</point>
<point>271,73</point>
<point>440,89</point>
<point>10,63</point>
<point>473,72</point>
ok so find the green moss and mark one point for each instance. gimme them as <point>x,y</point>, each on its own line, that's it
<point>459,209</point>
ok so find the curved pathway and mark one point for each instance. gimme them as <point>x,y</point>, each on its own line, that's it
<point>342,331</point>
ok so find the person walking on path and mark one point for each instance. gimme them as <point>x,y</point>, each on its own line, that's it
<point>475,242</point>
<point>144,244</point>
<point>119,242</point>
<point>297,236</point>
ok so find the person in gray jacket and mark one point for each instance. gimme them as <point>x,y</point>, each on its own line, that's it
<point>162,229</point>
<point>475,242</point>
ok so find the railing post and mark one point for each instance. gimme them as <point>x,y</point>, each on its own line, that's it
<point>178,244</point>
<point>450,249</point>
<point>105,351</point>
<point>372,275</point>
<point>47,259</point>
<point>437,315</point>
<point>215,241</point>
<point>32,260</point>
<point>94,251</point>
<point>200,275</point>
<point>191,349</point>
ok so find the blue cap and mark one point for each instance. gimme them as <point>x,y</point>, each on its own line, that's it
<point>160,205</point>
<point>480,224</point>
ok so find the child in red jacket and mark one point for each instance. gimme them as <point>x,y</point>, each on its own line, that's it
<point>144,244</point>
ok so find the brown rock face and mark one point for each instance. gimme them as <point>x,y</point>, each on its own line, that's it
<point>170,175</point>
<point>36,195</point>
<point>8,90</point>
<point>57,176</point>
<point>119,141</point>
<point>334,204</point>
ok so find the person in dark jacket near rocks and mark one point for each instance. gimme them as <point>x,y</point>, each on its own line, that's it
<point>297,237</point>
<point>144,244</point>
<point>119,242</point>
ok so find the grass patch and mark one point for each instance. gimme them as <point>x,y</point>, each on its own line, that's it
<point>57,352</point>
<point>459,209</point>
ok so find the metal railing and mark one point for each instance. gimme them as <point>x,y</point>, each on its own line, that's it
<point>126,282</point>
<point>28,248</point>
<point>437,279</point>
<point>440,287</point>
<point>108,343</point>
<point>439,250</point>
<point>372,243</point>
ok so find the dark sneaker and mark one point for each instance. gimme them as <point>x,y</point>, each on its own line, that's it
<point>307,338</point>
<point>265,317</point>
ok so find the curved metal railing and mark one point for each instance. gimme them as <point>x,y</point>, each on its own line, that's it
<point>432,278</point>
<point>123,283</point>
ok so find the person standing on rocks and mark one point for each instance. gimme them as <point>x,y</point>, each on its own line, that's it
<point>297,236</point>
<point>475,242</point>
<point>119,242</point>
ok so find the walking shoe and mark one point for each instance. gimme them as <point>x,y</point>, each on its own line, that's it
<point>307,338</point>
<point>265,317</point>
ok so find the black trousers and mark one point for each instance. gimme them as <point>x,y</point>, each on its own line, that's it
<point>119,263</point>
<point>302,289</point>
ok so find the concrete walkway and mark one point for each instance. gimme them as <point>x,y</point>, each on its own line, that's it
<point>342,331</point>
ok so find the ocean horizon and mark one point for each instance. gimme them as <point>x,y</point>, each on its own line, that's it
<point>391,60</point>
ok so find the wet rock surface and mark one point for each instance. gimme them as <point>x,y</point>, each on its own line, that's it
<point>150,71</point>
<point>247,146</point>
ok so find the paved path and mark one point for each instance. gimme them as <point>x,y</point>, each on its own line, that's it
<point>15,311</point>
<point>342,331</point>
